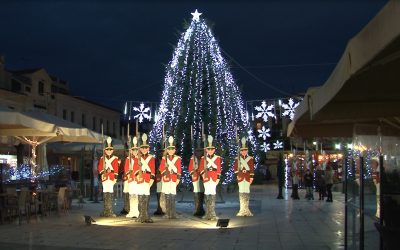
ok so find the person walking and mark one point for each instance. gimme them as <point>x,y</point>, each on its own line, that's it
<point>295,184</point>
<point>320,181</point>
<point>377,180</point>
<point>308,182</point>
<point>329,182</point>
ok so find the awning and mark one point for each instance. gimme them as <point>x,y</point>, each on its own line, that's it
<point>36,128</point>
<point>43,127</point>
<point>364,88</point>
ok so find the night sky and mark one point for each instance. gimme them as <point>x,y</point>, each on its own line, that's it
<point>112,51</point>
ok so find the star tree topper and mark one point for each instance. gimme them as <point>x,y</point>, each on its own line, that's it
<point>196,15</point>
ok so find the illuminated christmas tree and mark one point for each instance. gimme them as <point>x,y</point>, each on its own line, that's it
<point>200,95</point>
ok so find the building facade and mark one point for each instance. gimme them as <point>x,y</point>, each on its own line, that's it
<point>36,89</point>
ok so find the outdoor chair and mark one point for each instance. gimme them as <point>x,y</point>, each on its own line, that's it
<point>18,206</point>
<point>62,200</point>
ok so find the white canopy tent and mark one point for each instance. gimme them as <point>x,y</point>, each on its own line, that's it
<point>364,88</point>
<point>36,128</point>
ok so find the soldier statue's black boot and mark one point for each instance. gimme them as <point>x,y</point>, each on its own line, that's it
<point>140,208</point>
<point>199,200</point>
<point>201,211</point>
<point>147,218</point>
<point>208,206</point>
<point>167,206</point>
<point>213,216</point>
<point>196,204</point>
<point>173,206</point>
<point>107,212</point>
<point>159,210</point>
<point>125,210</point>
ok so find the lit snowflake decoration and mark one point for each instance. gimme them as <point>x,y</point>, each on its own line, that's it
<point>289,108</point>
<point>264,133</point>
<point>265,147</point>
<point>264,111</point>
<point>278,144</point>
<point>142,112</point>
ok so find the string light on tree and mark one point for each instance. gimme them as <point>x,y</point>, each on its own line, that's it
<point>200,93</point>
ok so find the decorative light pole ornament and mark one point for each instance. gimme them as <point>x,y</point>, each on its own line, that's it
<point>290,108</point>
<point>142,112</point>
<point>264,111</point>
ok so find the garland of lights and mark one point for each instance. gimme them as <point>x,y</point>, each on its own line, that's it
<point>24,173</point>
<point>200,95</point>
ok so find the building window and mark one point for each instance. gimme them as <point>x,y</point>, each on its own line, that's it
<point>114,129</point>
<point>15,86</point>
<point>27,89</point>
<point>40,107</point>
<point>64,114</point>
<point>83,120</point>
<point>53,89</point>
<point>41,88</point>
<point>72,116</point>
<point>101,125</point>
<point>94,123</point>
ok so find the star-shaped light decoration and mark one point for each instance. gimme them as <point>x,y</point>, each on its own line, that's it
<point>196,15</point>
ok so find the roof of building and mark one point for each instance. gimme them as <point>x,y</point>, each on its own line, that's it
<point>92,102</point>
<point>24,71</point>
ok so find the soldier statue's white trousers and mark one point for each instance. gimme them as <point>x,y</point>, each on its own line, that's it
<point>143,188</point>
<point>159,187</point>
<point>169,187</point>
<point>244,186</point>
<point>198,186</point>
<point>108,186</point>
<point>210,188</point>
<point>126,187</point>
<point>132,187</point>
<point>133,206</point>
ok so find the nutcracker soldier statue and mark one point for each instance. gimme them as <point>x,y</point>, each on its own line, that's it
<point>108,170</point>
<point>244,170</point>
<point>132,163</point>
<point>198,188</point>
<point>125,190</point>
<point>145,174</point>
<point>210,170</point>
<point>170,169</point>
<point>160,195</point>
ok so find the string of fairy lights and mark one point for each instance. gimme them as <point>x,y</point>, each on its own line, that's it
<point>200,98</point>
<point>23,172</point>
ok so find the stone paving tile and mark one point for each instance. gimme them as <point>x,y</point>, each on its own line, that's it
<point>277,224</point>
